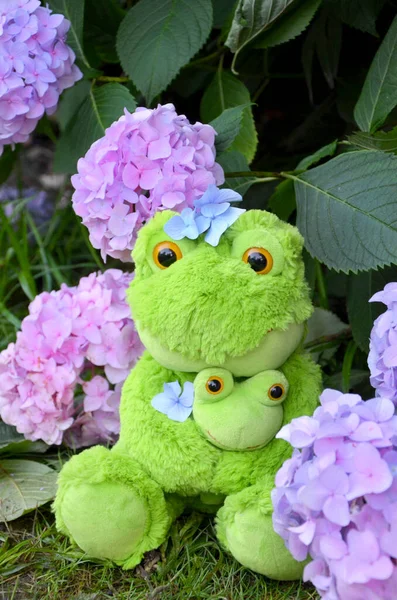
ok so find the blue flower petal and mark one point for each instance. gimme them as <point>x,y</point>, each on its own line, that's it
<point>175,228</point>
<point>187,396</point>
<point>173,390</point>
<point>202,223</point>
<point>229,196</point>
<point>232,214</point>
<point>191,231</point>
<point>163,403</point>
<point>210,196</point>
<point>218,226</point>
<point>179,413</point>
<point>214,210</point>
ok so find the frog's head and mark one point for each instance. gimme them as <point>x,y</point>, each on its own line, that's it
<point>239,415</point>
<point>241,305</point>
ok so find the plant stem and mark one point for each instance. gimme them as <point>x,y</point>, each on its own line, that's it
<point>271,174</point>
<point>114,79</point>
<point>321,287</point>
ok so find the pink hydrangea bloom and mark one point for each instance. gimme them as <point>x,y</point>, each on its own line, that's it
<point>336,497</point>
<point>36,65</point>
<point>61,380</point>
<point>148,160</point>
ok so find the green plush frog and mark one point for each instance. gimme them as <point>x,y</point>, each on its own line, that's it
<point>234,312</point>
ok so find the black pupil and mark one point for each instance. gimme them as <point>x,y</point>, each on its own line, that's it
<point>214,385</point>
<point>257,261</point>
<point>166,257</point>
<point>276,391</point>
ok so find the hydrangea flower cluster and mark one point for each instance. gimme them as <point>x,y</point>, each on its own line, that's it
<point>336,498</point>
<point>212,213</point>
<point>36,65</point>
<point>382,358</point>
<point>37,202</point>
<point>61,380</point>
<point>148,160</point>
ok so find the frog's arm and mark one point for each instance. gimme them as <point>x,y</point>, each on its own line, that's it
<point>174,454</point>
<point>237,470</point>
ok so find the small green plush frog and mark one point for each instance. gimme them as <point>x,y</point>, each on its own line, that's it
<point>235,312</point>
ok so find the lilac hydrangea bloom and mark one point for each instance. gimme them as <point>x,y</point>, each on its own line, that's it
<point>212,213</point>
<point>382,358</point>
<point>38,203</point>
<point>36,65</point>
<point>174,402</point>
<point>148,160</point>
<point>335,498</point>
<point>61,380</point>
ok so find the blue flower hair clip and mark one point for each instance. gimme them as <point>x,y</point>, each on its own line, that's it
<point>174,402</point>
<point>212,213</point>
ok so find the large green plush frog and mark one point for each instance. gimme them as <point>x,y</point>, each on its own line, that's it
<point>231,319</point>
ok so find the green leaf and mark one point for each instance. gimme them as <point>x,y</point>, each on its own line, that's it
<point>347,210</point>
<point>379,94</point>
<point>221,10</point>
<point>102,20</point>
<point>312,159</point>
<point>363,313</point>
<point>102,106</point>
<point>282,202</point>
<point>158,37</point>
<point>12,442</point>
<point>386,141</point>
<point>324,323</point>
<point>70,102</point>
<point>324,41</point>
<point>74,11</point>
<point>7,162</point>
<point>24,485</point>
<point>252,18</point>
<point>289,25</point>
<point>235,162</point>
<point>361,14</point>
<point>227,126</point>
<point>226,91</point>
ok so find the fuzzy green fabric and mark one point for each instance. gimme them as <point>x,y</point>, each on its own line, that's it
<point>207,314</point>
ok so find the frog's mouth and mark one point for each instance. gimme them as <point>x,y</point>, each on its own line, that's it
<point>233,449</point>
<point>272,351</point>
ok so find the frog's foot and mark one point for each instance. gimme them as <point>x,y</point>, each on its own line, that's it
<point>244,527</point>
<point>110,507</point>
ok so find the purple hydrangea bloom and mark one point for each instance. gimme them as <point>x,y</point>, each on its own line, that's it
<point>336,497</point>
<point>382,359</point>
<point>174,402</point>
<point>37,202</point>
<point>148,160</point>
<point>36,65</point>
<point>61,380</point>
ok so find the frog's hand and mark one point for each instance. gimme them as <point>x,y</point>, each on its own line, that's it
<point>245,528</point>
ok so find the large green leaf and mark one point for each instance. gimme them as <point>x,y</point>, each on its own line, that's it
<point>102,20</point>
<point>158,37</point>
<point>252,18</point>
<point>227,126</point>
<point>289,25</point>
<point>282,202</point>
<point>102,106</point>
<point>234,162</point>
<point>70,102</point>
<point>347,210</point>
<point>24,485</point>
<point>361,14</point>
<point>379,94</point>
<point>74,11</point>
<point>12,442</point>
<point>226,91</point>
<point>312,159</point>
<point>386,141</point>
<point>363,313</point>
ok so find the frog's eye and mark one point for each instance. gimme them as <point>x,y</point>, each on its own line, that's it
<point>165,254</point>
<point>276,392</point>
<point>259,259</point>
<point>214,385</point>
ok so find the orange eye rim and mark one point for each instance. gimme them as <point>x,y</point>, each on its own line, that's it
<point>270,389</point>
<point>266,254</point>
<point>162,246</point>
<point>215,378</point>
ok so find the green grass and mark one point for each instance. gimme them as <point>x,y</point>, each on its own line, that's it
<point>38,563</point>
